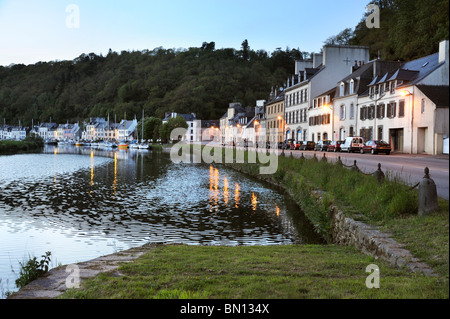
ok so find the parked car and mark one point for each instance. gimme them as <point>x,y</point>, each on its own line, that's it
<point>307,146</point>
<point>288,144</point>
<point>352,144</point>
<point>295,145</point>
<point>322,145</point>
<point>334,146</point>
<point>376,147</point>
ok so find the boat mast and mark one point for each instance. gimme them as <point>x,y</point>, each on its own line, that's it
<point>142,126</point>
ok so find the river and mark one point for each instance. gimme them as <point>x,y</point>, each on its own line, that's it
<point>80,203</point>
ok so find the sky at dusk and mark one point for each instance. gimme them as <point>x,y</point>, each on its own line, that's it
<point>48,30</point>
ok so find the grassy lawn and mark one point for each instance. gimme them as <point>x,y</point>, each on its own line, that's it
<point>262,272</point>
<point>298,272</point>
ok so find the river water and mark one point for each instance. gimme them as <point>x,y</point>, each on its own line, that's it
<point>81,203</point>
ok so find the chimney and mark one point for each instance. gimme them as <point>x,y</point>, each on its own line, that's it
<point>317,59</point>
<point>443,51</point>
<point>443,58</point>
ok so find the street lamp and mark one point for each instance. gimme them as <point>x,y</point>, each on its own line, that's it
<point>328,106</point>
<point>284,137</point>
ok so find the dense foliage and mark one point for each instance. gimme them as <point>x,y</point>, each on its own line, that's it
<point>196,80</point>
<point>409,29</point>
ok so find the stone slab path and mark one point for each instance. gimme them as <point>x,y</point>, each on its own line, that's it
<point>53,283</point>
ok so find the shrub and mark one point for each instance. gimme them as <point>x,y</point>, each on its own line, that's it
<point>32,269</point>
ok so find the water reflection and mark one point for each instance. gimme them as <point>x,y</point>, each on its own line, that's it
<point>80,203</point>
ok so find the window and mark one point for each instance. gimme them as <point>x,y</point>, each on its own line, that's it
<point>391,108</point>
<point>370,114</point>
<point>392,84</point>
<point>352,111</point>
<point>341,89</point>
<point>422,108</point>
<point>380,111</point>
<point>342,112</point>
<point>401,108</point>
<point>352,85</point>
<point>320,103</point>
<point>352,133</point>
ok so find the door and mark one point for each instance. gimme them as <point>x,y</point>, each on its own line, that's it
<point>422,133</point>
<point>396,140</point>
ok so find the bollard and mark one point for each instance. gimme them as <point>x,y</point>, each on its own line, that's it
<point>315,157</point>
<point>354,167</point>
<point>378,174</point>
<point>339,162</point>
<point>302,157</point>
<point>428,199</point>
<point>324,158</point>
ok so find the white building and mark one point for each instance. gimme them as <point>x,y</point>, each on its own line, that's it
<point>47,131</point>
<point>194,130</point>
<point>326,70</point>
<point>126,130</point>
<point>15,133</point>
<point>411,110</point>
<point>344,107</point>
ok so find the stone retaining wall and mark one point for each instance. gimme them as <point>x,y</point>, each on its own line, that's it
<point>365,238</point>
<point>371,241</point>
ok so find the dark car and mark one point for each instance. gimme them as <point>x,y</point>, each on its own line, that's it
<point>307,146</point>
<point>334,146</point>
<point>289,144</point>
<point>376,147</point>
<point>322,145</point>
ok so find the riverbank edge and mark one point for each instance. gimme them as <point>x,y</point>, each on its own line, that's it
<point>20,147</point>
<point>367,239</point>
<point>344,230</point>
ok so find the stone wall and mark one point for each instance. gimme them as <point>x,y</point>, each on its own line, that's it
<point>369,240</point>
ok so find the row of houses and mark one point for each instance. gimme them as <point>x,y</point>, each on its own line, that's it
<point>15,133</point>
<point>197,130</point>
<point>97,128</point>
<point>341,93</point>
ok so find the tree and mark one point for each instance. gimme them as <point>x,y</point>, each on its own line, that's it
<point>173,123</point>
<point>245,50</point>
<point>150,126</point>
<point>342,38</point>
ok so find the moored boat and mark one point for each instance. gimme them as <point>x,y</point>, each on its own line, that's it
<point>123,145</point>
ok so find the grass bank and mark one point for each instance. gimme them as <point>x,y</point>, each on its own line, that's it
<point>391,205</point>
<point>30,144</point>
<point>262,272</point>
<point>314,271</point>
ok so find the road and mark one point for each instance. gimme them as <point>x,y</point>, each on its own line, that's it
<point>407,167</point>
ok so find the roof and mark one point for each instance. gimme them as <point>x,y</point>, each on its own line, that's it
<point>401,74</point>
<point>436,93</point>
<point>278,98</point>
<point>125,125</point>
<point>209,123</point>
<point>188,117</point>
<point>330,92</point>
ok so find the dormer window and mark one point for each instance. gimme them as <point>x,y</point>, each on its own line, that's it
<point>352,86</point>
<point>392,87</point>
<point>341,89</point>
